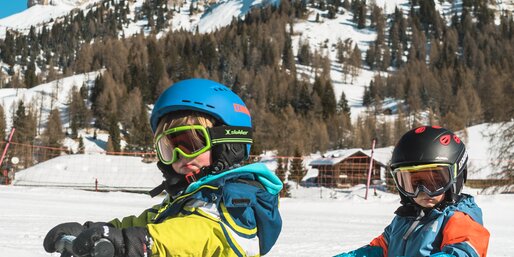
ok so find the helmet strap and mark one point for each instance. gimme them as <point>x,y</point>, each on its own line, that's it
<point>173,182</point>
<point>226,156</point>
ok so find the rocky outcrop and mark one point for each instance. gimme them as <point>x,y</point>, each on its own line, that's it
<point>31,3</point>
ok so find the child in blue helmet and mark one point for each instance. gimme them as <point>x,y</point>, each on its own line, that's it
<point>214,206</point>
<point>435,219</point>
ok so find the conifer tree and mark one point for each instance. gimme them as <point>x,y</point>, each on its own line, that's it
<point>342,105</point>
<point>281,172</point>
<point>78,113</point>
<point>329,100</point>
<point>30,75</point>
<point>82,148</point>
<point>361,15</point>
<point>505,152</point>
<point>25,124</point>
<point>400,126</point>
<point>53,134</point>
<point>386,58</point>
<point>3,125</point>
<point>385,135</point>
<point>304,53</point>
<point>140,136</point>
<point>297,171</point>
<point>114,136</point>
<point>22,121</point>
<point>355,62</point>
<point>287,54</point>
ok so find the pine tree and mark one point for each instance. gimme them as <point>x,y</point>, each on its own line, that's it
<point>140,136</point>
<point>7,48</point>
<point>329,100</point>
<point>30,75</point>
<point>78,113</point>
<point>355,62</point>
<point>304,53</point>
<point>361,15</point>
<point>386,58</point>
<point>506,144</point>
<point>82,148</point>
<point>371,56</point>
<point>25,124</point>
<point>22,121</point>
<point>53,135</point>
<point>3,125</point>
<point>342,105</point>
<point>114,137</point>
<point>281,172</point>
<point>400,126</point>
<point>385,135</point>
<point>107,103</point>
<point>297,171</point>
<point>288,60</point>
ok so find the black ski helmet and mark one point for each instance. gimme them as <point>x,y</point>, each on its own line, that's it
<point>432,144</point>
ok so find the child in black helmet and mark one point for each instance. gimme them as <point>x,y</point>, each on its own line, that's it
<point>214,206</point>
<point>429,168</point>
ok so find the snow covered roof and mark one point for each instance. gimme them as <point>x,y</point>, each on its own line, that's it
<point>380,155</point>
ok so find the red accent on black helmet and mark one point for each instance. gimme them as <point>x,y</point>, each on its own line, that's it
<point>420,130</point>
<point>456,138</point>
<point>445,140</point>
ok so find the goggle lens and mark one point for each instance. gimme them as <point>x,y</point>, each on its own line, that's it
<point>432,179</point>
<point>188,141</point>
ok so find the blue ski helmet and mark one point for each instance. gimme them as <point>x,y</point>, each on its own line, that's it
<point>205,96</point>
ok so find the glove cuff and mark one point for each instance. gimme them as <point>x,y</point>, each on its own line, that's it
<point>137,242</point>
<point>91,224</point>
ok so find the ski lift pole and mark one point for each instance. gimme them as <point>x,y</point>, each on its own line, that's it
<point>370,168</point>
<point>7,146</point>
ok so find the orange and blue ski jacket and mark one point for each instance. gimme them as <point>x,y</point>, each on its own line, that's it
<point>456,230</point>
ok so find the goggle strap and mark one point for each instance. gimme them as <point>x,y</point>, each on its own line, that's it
<point>230,134</point>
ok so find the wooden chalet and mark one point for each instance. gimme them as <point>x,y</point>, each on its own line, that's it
<point>349,167</point>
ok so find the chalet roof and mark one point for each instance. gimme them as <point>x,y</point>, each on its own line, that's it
<point>380,155</point>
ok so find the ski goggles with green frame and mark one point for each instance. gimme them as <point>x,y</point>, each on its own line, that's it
<point>433,179</point>
<point>193,140</point>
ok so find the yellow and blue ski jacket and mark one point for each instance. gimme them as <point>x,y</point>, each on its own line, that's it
<point>234,213</point>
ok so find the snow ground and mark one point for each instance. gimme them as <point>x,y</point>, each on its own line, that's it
<point>311,226</point>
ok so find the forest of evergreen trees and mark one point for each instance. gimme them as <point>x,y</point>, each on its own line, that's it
<point>458,68</point>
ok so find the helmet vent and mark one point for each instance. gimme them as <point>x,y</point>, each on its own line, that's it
<point>220,89</point>
<point>186,101</point>
<point>208,105</point>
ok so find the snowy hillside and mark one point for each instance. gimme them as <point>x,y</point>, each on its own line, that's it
<point>322,36</point>
<point>208,19</point>
<point>39,15</point>
<point>44,97</point>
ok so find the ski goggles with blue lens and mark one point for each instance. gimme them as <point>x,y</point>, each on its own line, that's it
<point>433,179</point>
<point>193,140</point>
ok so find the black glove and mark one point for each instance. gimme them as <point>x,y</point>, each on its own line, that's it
<point>70,228</point>
<point>133,241</point>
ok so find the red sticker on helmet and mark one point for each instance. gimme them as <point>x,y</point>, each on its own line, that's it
<point>420,130</point>
<point>456,138</point>
<point>445,140</point>
<point>436,127</point>
<point>241,108</point>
